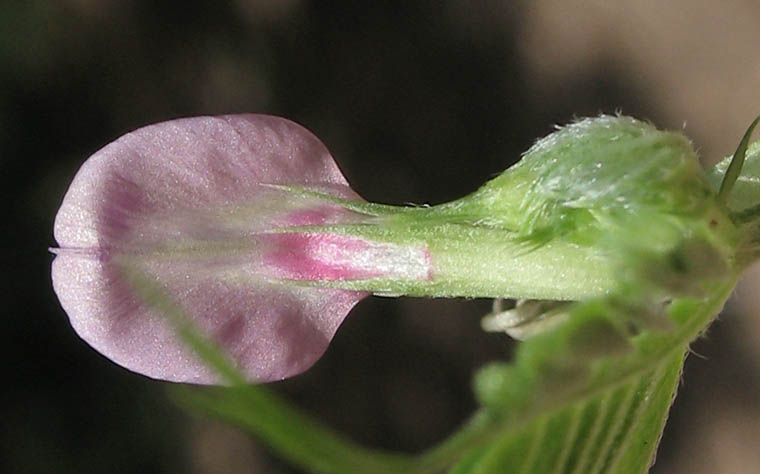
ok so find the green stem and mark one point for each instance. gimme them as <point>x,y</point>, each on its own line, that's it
<point>291,433</point>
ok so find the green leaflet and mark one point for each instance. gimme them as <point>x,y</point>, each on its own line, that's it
<point>606,417</point>
<point>591,395</point>
<point>746,190</point>
<point>737,162</point>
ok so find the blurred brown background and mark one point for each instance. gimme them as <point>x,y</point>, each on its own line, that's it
<point>419,101</point>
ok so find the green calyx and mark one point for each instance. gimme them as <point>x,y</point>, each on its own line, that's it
<point>589,210</point>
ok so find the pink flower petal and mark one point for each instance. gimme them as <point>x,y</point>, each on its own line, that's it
<point>189,203</point>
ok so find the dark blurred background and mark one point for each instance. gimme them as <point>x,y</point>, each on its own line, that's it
<point>420,102</point>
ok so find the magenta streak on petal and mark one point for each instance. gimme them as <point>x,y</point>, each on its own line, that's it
<point>188,203</point>
<point>315,256</point>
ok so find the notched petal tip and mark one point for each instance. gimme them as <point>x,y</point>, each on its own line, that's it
<point>184,202</point>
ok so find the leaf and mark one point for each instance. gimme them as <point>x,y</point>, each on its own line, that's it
<point>616,431</point>
<point>602,418</point>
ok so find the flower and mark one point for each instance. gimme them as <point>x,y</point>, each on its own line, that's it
<point>247,224</point>
<point>205,207</point>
